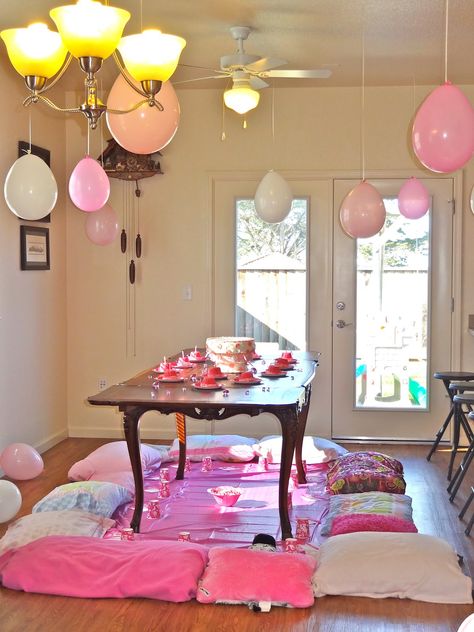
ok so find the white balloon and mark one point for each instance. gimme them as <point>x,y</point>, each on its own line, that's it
<point>10,500</point>
<point>30,188</point>
<point>273,198</point>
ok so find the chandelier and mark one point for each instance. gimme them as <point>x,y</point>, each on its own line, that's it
<point>91,32</point>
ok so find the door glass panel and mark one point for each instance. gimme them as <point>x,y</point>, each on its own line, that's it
<point>271,283</point>
<point>392,333</point>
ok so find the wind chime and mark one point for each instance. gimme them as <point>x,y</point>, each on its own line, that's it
<point>130,168</point>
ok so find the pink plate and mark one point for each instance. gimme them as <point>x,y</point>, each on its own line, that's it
<point>252,382</point>
<point>217,387</point>
<point>170,379</point>
<point>197,360</point>
<point>264,374</point>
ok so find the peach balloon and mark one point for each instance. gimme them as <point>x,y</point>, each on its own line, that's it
<point>443,130</point>
<point>362,211</point>
<point>146,129</point>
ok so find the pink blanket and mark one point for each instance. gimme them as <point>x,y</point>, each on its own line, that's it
<point>97,568</point>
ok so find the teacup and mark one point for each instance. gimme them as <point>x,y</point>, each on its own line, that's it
<point>287,355</point>
<point>245,376</point>
<point>208,381</point>
<point>274,369</point>
<point>282,362</point>
<point>214,371</point>
<point>170,373</point>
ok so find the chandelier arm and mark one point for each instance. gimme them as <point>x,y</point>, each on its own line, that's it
<point>50,103</point>
<point>153,103</point>
<point>63,69</point>
<point>126,76</point>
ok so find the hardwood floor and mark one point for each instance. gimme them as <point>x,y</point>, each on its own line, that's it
<point>433,514</point>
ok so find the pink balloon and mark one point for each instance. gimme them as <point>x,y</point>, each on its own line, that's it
<point>21,462</point>
<point>362,211</point>
<point>443,130</point>
<point>413,199</point>
<point>146,129</point>
<point>102,226</point>
<point>89,185</point>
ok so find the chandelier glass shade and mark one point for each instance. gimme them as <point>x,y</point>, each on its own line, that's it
<point>90,29</point>
<point>91,32</point>
<point>35,51</point>
<point>151,55</point>
<point>241,99</point>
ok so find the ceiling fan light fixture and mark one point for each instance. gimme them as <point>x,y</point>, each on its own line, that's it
<point>241,99</point>
<point>151,55</point>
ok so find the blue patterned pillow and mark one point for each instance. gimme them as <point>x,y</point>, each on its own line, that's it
<point>92,496</point>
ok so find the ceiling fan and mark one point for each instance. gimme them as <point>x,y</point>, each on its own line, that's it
<point>248,73</point>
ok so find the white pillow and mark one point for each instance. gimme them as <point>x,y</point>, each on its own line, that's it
<point>41,524</point>
<point>220,447</point>
<point>163,450</point>
<point>112,457</point>
<point>404,565</point>
<point>315,449</point>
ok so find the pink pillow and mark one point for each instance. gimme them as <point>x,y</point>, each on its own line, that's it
<point>95,568</point>
<point>371,522</point>
<point>245,575</point>
<point>112,457</point>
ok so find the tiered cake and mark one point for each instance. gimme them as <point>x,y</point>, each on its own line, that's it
<point>231,354</point>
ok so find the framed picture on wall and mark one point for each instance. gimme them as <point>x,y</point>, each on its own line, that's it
<point>44,154</point>
<point>34,248</point>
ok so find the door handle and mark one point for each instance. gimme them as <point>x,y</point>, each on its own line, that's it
<point>340,324</point>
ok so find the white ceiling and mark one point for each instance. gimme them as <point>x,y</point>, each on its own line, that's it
<point>404,39</point>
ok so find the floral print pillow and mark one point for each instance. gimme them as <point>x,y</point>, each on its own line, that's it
<point>367,471</point>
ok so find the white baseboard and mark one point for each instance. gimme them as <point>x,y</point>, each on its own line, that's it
<point>117,433</point>
<point>51,441</point>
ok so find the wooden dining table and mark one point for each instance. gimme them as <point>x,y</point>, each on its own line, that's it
<point>286,397</point>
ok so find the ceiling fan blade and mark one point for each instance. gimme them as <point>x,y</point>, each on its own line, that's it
<point>176,83</point>
<point>266,63</point>
<point>258,83</point>
<point>322,73</point>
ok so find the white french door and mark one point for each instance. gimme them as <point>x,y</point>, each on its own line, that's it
<point>392,319</point>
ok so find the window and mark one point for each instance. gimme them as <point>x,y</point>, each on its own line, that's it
<point>271,270</point>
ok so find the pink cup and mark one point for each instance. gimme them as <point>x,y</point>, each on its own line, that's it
<point>206,464</point>
<point>164,489</point>
<point>187,464</point>
<point>290,545</point>
<point>165,474</point>
<point>127,534</point>
<point>281,362</point>
<point>246,375</point>
<point>154,509</point>
<point>170,373</point>
<point>302,529</point>
<point>184,536</point>
<point>287,355</point>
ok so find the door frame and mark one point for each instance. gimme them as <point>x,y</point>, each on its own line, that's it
<point>325,391</point>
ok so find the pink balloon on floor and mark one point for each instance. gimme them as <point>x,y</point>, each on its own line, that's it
<point>89,185</point>
<point>362,212</point>
<point>21,462</point>
<point>146,129</point>
<point>443,130</point>
<point>102,226</point>
<point>413,199</point>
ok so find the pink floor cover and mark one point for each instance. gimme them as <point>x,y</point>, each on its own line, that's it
<point>191,508</point>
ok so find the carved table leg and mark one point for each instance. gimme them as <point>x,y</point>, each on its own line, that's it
<point>289,423</point>
<point>302,417</point>
<point>181,430</point>
<point>131,419</point>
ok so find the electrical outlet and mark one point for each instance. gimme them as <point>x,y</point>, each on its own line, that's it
<point>102,383</point>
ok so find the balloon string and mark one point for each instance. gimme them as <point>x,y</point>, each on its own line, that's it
<point>223,136</point>
<point>273,116</point>
<point>362,126</point>
<point>141,16</point>
<point>88,140</point>
<point>29,128</point>
<point>446,43</point>
<point>102,149</point>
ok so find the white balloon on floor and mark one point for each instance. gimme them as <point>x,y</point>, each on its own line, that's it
<point>10,500</point>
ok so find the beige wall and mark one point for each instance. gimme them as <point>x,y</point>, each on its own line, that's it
<point>32,304</point>
<point>315,130</point>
